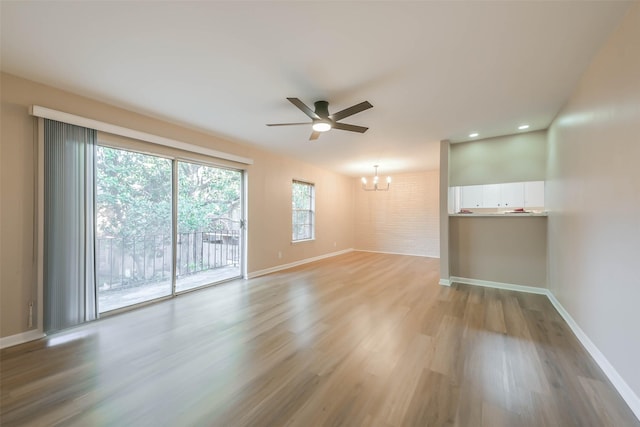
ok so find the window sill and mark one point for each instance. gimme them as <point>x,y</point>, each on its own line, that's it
<point>293,242</point>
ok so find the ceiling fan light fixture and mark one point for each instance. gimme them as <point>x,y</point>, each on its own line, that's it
<point>322,121</point>
<point>321,126</point>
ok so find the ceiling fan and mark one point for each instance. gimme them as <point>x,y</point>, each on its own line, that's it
<point>322,121</point>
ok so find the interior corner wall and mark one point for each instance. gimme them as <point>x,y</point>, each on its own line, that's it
<point>511,158</point>
<point>403,220</point>
<point>269,193</point>
<point>593,198</point>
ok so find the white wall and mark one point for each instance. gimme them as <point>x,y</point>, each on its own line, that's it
<point>593,194</point>
<point>510,250</point>
<point>510,158</point>
<point>403,220</point>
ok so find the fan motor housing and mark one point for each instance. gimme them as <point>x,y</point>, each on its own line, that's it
<point>322,109</point>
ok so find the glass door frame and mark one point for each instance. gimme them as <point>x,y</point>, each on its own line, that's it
<point>243,223</point>
<point>95,183</point>
<point>243,252</point>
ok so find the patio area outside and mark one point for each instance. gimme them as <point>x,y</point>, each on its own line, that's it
<point>112,299</point>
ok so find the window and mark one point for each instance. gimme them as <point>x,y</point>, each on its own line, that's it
<point>303,211</point>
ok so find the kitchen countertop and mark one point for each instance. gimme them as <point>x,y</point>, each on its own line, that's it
<point>499,215</point>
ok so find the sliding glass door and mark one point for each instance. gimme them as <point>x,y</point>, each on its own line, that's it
<point>133,228</point>
<point>209,225</point>
<point>136,247</point>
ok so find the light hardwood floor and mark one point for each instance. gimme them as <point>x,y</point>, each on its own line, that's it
<point>357,340</point>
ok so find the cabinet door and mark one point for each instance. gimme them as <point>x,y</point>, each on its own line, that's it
<point>512,195</point>
<point>491,195</point>
<point>471,196</point>
<point>534,194</point>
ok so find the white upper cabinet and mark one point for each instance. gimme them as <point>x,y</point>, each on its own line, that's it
<point>511,195</point>
<point>471,196</point>
<point>505,196</point>
<point>508,196</point>
<point>491,195</point>
<point>534,194</point>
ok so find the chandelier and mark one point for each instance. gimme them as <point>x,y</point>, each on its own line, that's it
<point>375,182</point>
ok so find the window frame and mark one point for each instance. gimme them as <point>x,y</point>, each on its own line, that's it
<point>311,211</point>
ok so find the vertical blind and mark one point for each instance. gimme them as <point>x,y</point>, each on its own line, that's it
<point>69,249</point>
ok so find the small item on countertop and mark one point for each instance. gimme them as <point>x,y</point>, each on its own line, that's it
<point>465,211</point>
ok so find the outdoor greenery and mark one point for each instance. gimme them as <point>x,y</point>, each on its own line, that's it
<point>205,194</point>
<point>133,195</point>
<point>303,206</point>
<point>135,248</point>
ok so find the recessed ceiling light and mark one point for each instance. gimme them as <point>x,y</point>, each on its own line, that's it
<point>473,135</point>
<point>523,127</point>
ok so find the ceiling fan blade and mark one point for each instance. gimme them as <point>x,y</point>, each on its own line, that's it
<point>314,135</point>
<point>351,110</point>
<point>287,124</point>
<point>352,128</point>
<point>308,111</point>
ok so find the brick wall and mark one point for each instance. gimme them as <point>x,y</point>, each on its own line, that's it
<point>402,220</point>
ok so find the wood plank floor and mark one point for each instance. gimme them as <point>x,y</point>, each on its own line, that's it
<point>357,340</point>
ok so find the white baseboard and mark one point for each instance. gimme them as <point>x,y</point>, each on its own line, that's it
<point>499,285</point>
<point>397,253</point>
<point>618,382</point>
<point>281,267</point>
<point>20,338</point>
<point>444,282</point>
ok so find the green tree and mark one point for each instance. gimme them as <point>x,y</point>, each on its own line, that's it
<point>204,194</point>
<point>134,206</point>
<point>133,194</point>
